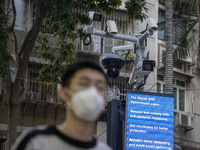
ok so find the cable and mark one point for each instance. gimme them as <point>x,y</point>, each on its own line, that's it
<point>101,133</point>
<point>153,86</point>
<point>145,77</point>
<point>127,54</point>
<point>90,39</point>
<point>134,83</point>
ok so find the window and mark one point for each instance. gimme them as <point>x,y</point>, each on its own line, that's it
<point>180,83</point>
<point>179,26</point>
<point>33,86</point>
<point>161,25</point>
<point>179,95</point>
<point>178,91</point>
<point>160,77</point>
<point>175,97</point>
<point>36,89</point>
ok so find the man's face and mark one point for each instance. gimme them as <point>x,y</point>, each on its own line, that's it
<point>86,78</point>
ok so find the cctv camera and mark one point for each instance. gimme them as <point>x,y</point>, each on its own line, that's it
<point>112,63</point>
<point>151,24</point>
<point>95,16</point>
<point>137,74</point>
<point>141,70</point>
<point>148,65</point>
<point>112,28</point>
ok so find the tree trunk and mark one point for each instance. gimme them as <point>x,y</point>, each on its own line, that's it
<point>12,93</point>
<point>13,105</point>
<point>12,123</point>
<point>169,46</point>
<point>198,54</point>
<point>12,88</point>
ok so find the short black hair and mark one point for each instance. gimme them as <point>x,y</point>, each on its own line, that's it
<point>72,69</point>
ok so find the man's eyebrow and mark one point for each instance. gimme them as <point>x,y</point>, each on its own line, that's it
<point>88,79</point>
<point>84,78</point>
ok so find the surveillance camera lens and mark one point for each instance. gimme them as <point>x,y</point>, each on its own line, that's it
<point>113,73</point>
<point>147,67</point>
<point>97,17</point>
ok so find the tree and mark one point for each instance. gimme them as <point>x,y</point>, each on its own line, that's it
<point>169,47</point>
<point>189,41</point>
<point>59,15</point>
<point>187,30</point>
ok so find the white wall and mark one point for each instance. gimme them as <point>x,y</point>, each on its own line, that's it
<point>101,132</point>
<point>24,14</point>
<point>20,14</point>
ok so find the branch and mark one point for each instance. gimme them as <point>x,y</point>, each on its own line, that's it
<point>14,16</point>
<point>15,48</point>
<point>31,37</point>
<point>20,53</point>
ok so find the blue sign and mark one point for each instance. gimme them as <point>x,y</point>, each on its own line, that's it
<point>149,121</point>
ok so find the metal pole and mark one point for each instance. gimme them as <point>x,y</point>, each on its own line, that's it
<point>115,120</point>
<point>115,36</point>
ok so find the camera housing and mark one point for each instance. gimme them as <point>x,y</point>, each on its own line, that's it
<point>151,24</point>
<point>112,63</point>
<point>141,70</point>
<point>112,27</point>
<point>148,65</point>
<point>123,48</point>
<point>95,16</point>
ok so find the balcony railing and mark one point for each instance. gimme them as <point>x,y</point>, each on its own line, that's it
<point>36,90</point>
<point>40,91</point>
<point>117,90</point>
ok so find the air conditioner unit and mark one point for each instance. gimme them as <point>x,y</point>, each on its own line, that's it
<point>184,119</point>
<point>32,95</point>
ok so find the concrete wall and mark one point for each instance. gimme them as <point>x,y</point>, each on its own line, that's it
<point>188,140</point>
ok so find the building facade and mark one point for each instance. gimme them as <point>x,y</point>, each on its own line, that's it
<point>39,103</point>
<point>185,81</point>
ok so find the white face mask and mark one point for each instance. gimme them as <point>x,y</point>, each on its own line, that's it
<point>87,104</point>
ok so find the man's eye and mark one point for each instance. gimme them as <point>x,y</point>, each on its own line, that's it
<point>84,84</point>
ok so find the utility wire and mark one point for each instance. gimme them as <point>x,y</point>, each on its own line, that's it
<point>153,86</point>
<point>101,133</point>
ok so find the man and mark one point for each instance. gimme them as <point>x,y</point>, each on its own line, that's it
<point>83,88</point>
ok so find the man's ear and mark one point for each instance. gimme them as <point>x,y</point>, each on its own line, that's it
<point>64,94</point>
